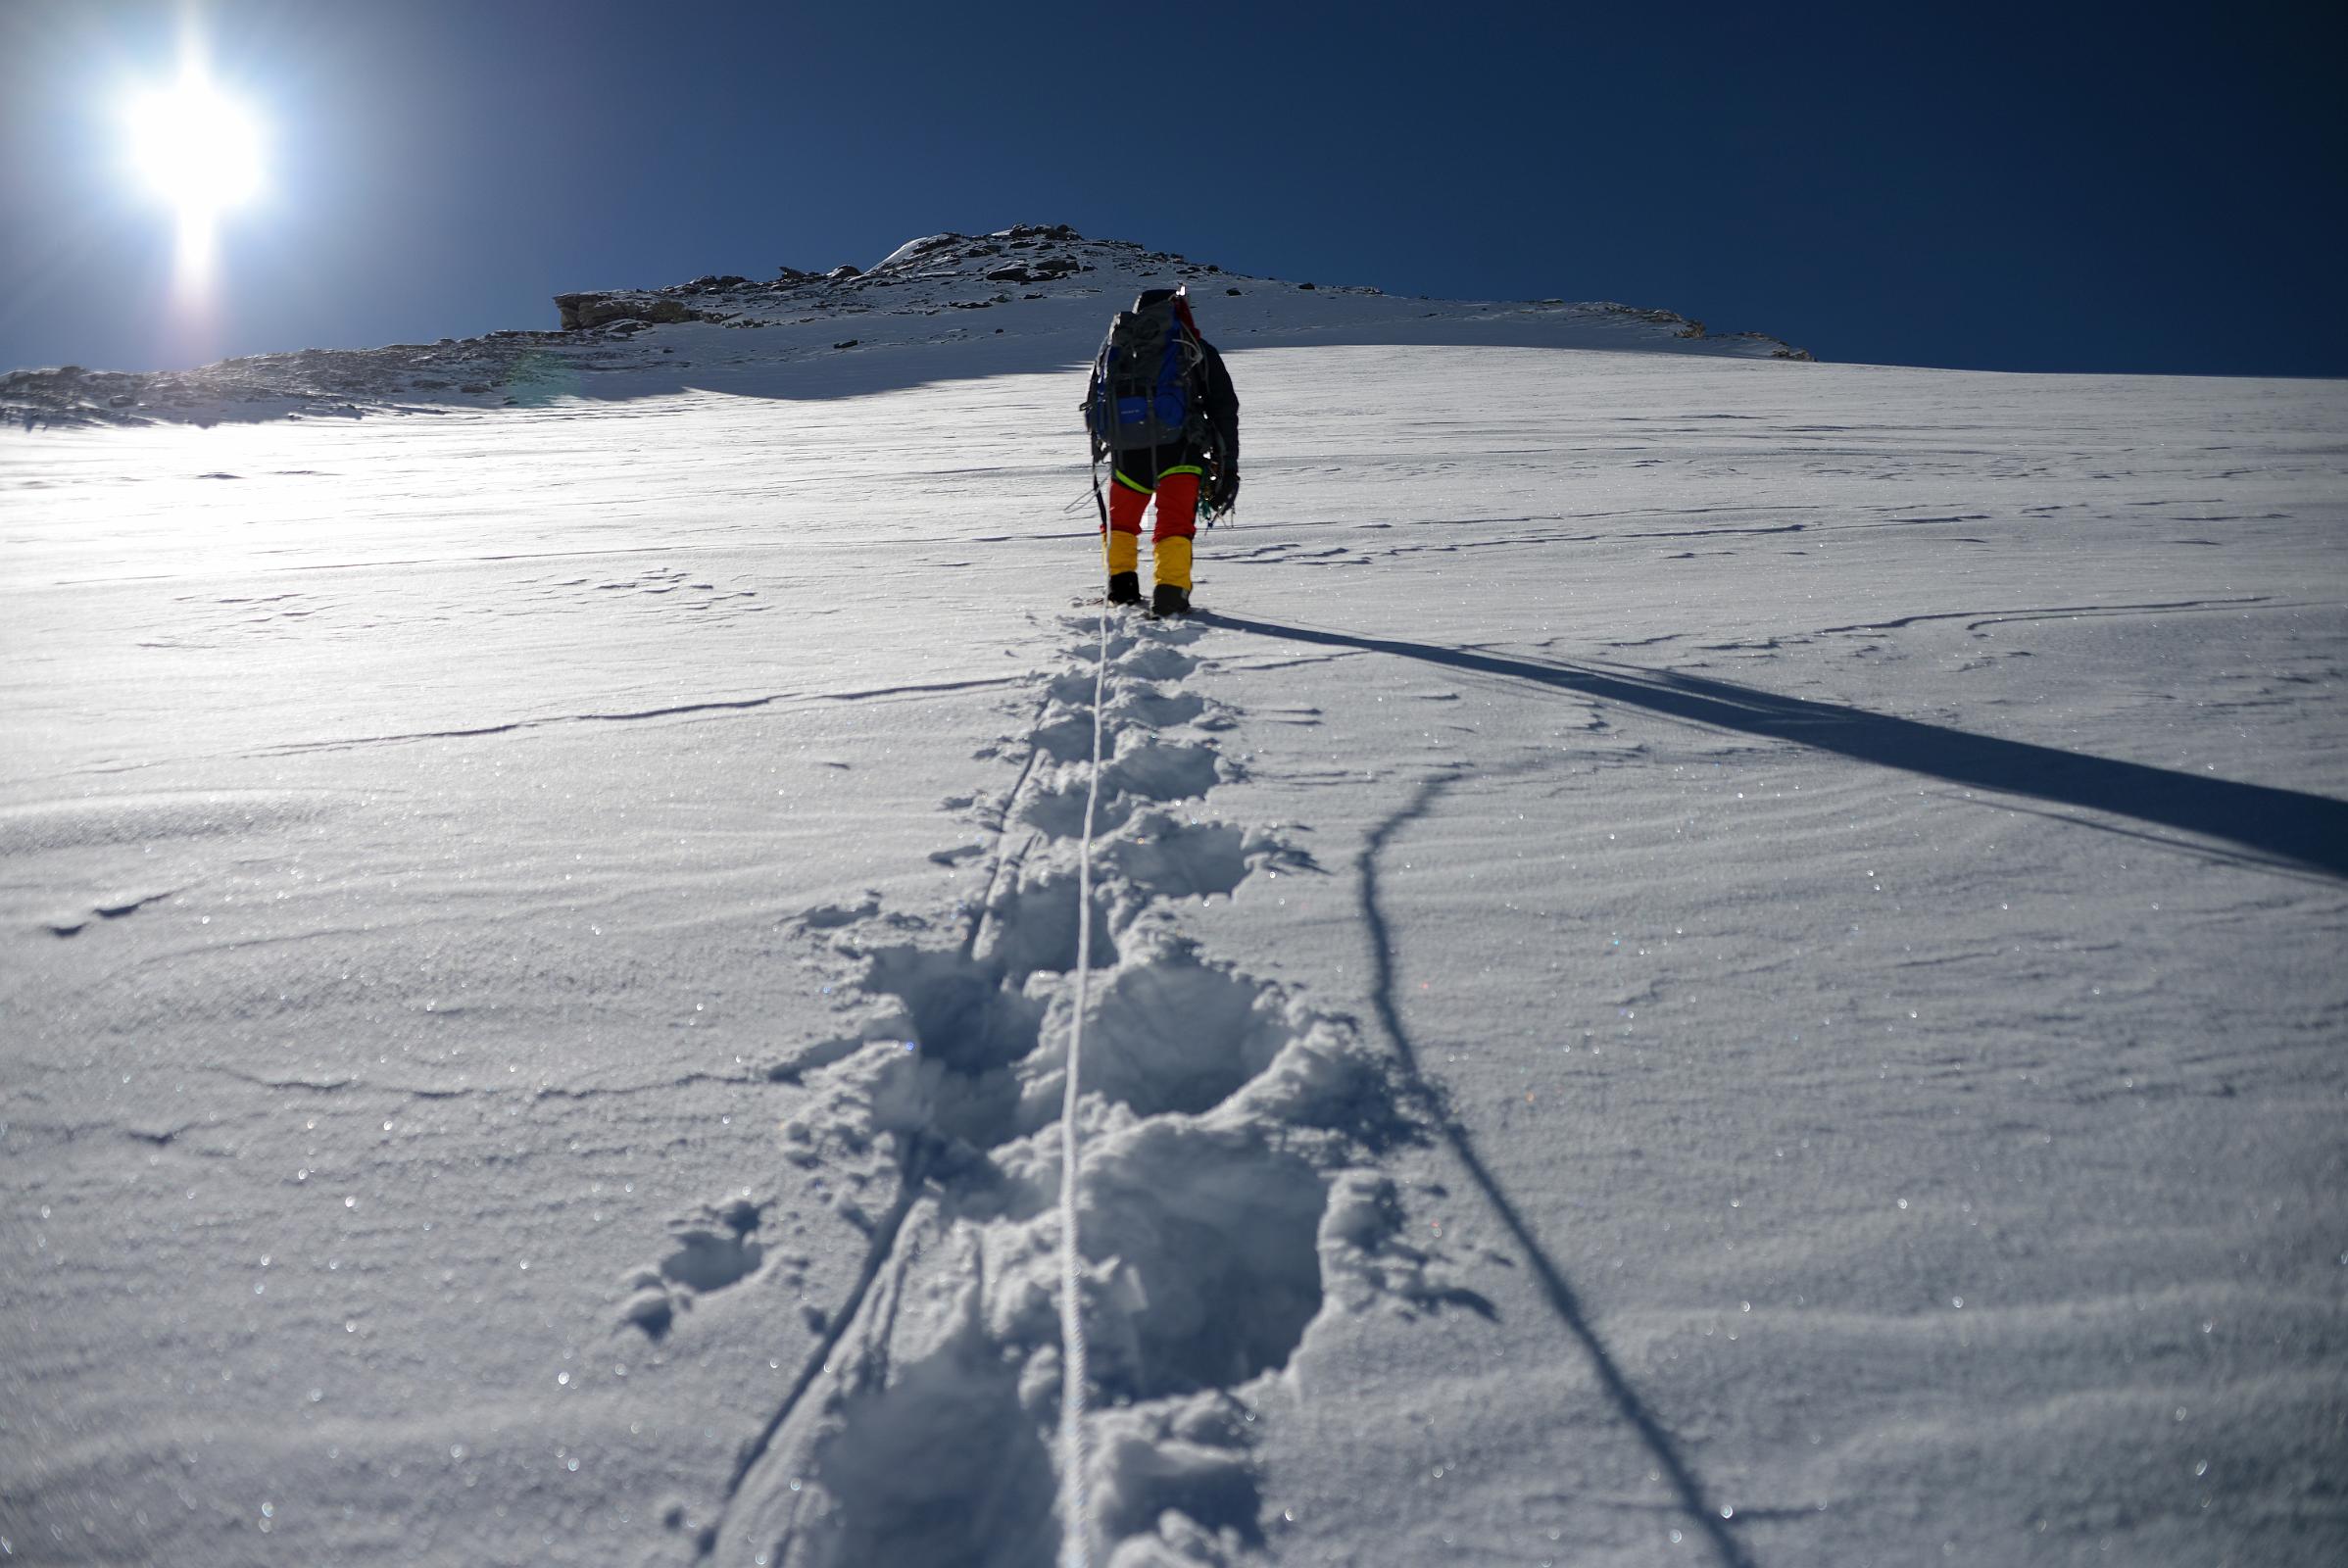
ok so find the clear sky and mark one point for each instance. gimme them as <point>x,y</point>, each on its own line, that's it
<point>2060,186</point>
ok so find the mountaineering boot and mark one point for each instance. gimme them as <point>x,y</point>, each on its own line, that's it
<point>1122,550</point>
<point>1170,601</point>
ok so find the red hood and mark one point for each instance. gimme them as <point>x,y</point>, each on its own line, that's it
<point>1182,310</point>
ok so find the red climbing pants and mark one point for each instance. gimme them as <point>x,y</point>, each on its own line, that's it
<point>1169,542</point>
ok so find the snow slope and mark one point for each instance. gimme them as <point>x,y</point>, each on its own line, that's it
<point>1702,960</point>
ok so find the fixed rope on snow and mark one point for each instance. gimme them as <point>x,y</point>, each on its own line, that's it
<point>1075,1514</point>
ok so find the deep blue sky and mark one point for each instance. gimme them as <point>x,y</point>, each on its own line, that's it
<point>2139,188</point>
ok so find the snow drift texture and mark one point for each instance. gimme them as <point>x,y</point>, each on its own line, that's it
<point>1701,960</point>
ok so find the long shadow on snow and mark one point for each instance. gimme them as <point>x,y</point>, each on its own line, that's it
<point>1684,1483</point>
<point>2303,830</point>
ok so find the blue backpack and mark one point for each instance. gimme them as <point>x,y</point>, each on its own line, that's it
<point>1142,380</point>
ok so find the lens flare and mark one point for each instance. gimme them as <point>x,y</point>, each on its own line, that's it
<point>199,151</point>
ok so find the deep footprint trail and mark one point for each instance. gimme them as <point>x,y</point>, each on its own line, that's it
<point>1229,1191</point>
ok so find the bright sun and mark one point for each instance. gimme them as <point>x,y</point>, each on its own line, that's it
<point>197,149</point>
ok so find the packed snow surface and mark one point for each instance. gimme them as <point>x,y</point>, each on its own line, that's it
<point>1700,960</point>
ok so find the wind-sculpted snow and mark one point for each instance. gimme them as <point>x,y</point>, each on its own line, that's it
<point>1026,298</point>
<point>1693,962</point>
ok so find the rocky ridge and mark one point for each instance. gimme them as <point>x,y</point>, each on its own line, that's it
<point>1045,279</point>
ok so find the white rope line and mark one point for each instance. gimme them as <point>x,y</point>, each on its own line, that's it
<point>1075,1513</point>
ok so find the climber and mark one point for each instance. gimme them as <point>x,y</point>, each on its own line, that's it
<point>1161,408</point>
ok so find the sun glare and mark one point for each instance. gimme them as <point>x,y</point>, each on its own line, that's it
<point>199,151</point>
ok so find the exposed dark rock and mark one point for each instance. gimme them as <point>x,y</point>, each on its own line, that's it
<point>1046,271</point>
<point>1659,318</point>
<point>581,312</point>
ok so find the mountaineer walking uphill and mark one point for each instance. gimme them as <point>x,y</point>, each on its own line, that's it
<point>1162,408</point>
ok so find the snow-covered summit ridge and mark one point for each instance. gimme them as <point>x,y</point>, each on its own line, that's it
<point>1028,298</point>
<point>1030,261</point>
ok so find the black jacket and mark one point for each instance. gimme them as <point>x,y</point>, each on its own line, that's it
<point>1222,405</point>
